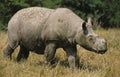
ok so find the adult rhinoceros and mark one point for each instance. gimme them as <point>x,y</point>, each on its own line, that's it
<point>43,30</point>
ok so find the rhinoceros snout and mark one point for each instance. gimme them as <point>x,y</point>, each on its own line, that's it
<point>102,46</point>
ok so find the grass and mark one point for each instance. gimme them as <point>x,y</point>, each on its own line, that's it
<point>92,64</point>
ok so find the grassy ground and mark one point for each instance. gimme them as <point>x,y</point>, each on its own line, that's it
<point>92,64</point>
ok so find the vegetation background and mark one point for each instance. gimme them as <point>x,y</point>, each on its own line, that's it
<point>105,14</point>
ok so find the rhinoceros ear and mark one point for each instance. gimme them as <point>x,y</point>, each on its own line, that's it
<point>84,28</point>
<point>89,21</point>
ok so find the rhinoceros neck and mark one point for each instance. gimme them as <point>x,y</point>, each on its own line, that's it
<point>75,27</point>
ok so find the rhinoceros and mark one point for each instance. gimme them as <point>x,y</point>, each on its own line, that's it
<point>43,30</point>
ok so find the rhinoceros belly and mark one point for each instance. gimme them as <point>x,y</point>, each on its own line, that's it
<point>33,43</point>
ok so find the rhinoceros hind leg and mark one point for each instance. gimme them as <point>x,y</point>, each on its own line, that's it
<point>8,51</point>
<point>23,53</point>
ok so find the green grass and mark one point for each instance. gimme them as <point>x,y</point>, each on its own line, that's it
<point>92,64</point>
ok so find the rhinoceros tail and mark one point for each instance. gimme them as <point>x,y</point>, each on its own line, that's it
<point>13,40</point>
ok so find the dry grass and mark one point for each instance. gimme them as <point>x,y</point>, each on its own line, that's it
<point>92,64</point>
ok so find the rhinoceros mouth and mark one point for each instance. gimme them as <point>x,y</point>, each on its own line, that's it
<point>101,51</point>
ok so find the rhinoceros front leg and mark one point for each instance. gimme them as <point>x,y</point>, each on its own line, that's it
<point>73,58</point>
<point>50,52</point>
<point>23,53</point>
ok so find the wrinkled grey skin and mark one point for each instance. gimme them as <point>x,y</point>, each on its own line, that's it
<point>44,30</point>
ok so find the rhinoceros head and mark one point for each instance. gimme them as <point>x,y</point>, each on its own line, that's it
<point>91,41</point>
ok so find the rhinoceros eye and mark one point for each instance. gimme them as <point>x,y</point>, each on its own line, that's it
<point>91,39</point>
